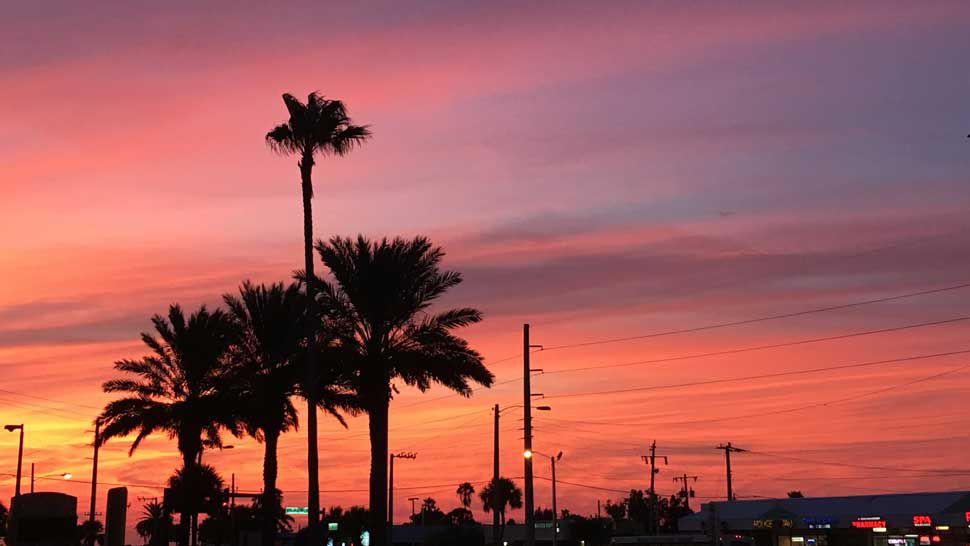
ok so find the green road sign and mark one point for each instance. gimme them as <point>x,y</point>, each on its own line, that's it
<point>297,510</point>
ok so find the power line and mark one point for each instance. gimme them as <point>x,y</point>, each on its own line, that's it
<point>56,401</point>
<point>760,319</point>
<point>784,410</point>
<point>760,376</point>
<point>862,466</point>
<point>761,347</point>
<point>712,327</point>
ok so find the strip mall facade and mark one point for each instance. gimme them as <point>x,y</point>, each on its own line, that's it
<point>909,519</point>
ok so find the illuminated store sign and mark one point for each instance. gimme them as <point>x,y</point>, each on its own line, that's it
<point>819,522</point>
<point>922,521</point>
<point>772,523</point>
<point>869,523</point>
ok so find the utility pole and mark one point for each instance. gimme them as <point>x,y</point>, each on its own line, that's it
<point>728,449</point>
<point>413,499</point>
<point>686,491</point>
<point>94,469</point>
<point>495,474</point>
<point>390,489</point>
<point>652,461</point>
<point>31,477</point>
<point>530,526</point>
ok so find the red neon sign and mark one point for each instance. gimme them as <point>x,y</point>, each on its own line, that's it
<point>922,521</point>
<point>869,523</point>
<point>967,516</point>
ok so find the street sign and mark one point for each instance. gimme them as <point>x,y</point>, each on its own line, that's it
<point>332,526</point>
<point>297,510</point>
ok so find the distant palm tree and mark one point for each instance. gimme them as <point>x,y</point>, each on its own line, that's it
<point>3,518</point>
<point>500,495</point>
<point>154,525</point>
<point>319,127</point>
<point>384,290</point>
<point>465,493</point>
<point>268,367</point>
<point>180,389</point>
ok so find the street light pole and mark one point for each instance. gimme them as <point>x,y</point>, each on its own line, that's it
<point>555,513</point>
<point>20,454</point>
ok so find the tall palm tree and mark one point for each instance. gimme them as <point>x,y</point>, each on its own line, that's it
<point>384,290</point>
<point>500,495</point>
<point>180,389</point>
<point>268,364</point>
<point>318,127</point>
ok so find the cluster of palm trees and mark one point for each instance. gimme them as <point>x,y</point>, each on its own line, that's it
<point>340,343</point>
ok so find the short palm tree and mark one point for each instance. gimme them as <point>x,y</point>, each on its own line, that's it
<point>384,290</point>
<point>196,489</point>
<point>268,368</point>
<point>500,495</point>
<point>318,127</point>
<point>155,524</point>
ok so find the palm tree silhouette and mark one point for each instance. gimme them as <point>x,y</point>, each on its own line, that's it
<point>268,364</point>
<point>465,493</point>
<point>319,127</point>
<point>196,489</point>
<point>383,289</point>
<point>180,389</point>
<point>500,495</point>
<point>155,523</point>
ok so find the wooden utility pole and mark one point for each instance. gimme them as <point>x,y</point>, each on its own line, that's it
<point>686,491</point>
<point>530,526</point>
<point>94,475</point>
<point>728,449</point>
<point>495,476</point>
<point>652,501</point>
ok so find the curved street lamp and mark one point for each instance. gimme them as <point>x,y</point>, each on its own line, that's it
<point>555,516</point>
<point>20,453</point>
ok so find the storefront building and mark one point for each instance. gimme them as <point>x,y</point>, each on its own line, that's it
<point>907,519</point>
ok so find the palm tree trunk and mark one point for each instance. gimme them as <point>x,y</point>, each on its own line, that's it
<point>378,472</point>
<point>313,478</point>
<point>270,498</point>
<point>185,518</point>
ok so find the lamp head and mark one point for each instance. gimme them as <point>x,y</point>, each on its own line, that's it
<point>11,428</point>
<point>559,455</point>
<point>527,454</point>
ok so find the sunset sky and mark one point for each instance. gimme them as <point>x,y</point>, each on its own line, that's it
<point>599,171</point>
